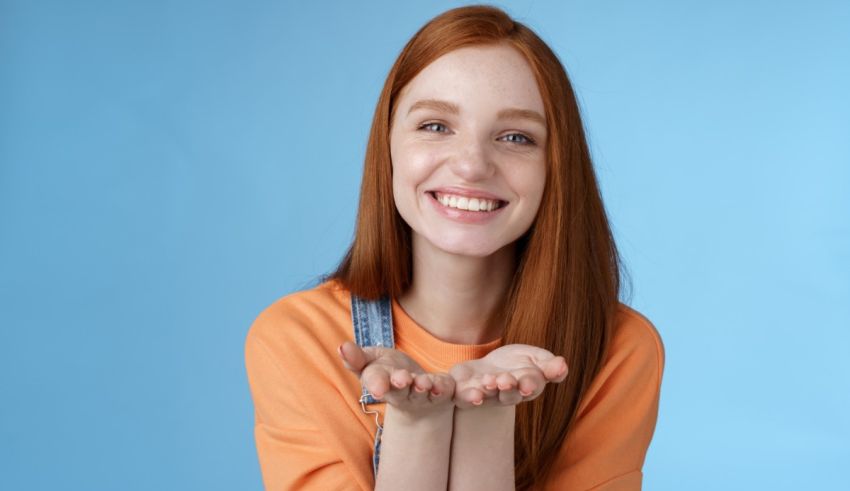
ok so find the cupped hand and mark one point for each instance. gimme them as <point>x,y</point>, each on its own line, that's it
<point>506,376</point>
<point>393,376</point>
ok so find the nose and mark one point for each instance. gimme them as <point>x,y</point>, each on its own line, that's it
<point>471,160</point>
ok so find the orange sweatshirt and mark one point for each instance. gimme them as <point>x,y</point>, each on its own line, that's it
<point>311,432</point>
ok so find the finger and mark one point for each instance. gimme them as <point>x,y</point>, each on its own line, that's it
<point>352,356</point>
<point>530,386</point>
<point>419,389</point>
<point>442,389</point>
<point>510,397</point>
<point>376,380</point>
<point>423,381</point>
<point>473,388</point>
<point>485,384</point>
<point>401,379</point>
<point>470,396</point>
<point>492,381</point>
<point>555,370</point>
<point>506,381</point>
<point>400,387</point>
<point>488,381</point>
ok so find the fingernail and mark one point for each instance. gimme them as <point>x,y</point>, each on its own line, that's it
<point>418,389</point>
<point>526,393</point>
<point>478,403</point>
<point>435,392</point>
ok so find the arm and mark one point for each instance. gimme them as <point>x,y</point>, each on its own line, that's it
<point>417,433</point>
<point>415,450</point>
<point>486,394</point>
<point>483,431</point>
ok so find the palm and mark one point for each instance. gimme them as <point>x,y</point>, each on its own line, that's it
<point>393,376</point>
<point>506,376</point>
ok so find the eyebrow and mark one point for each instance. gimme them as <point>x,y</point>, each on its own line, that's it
<point>451,108</point>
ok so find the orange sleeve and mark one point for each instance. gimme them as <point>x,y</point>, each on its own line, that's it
<point>293,447</point>
<point>606,448</point>
<point>288,443</point>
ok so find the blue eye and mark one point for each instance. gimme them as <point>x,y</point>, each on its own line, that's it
<point>431,124</point>
<point>526,140</point>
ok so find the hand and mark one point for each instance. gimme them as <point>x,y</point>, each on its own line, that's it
<point>393,376</point>
<point>506,376</point>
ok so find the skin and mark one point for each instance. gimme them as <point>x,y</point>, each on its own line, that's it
<point>506,376</point>
<point>460,273</point>
<point>465,414</point>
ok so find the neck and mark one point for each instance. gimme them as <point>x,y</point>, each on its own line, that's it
<point>452,295</point>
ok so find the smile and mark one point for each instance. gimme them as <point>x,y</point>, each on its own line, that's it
<point>468,203</point>
<point>443,205</point>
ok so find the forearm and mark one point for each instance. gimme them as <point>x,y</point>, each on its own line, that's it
<point>482,449</point>
<point>415,450</point>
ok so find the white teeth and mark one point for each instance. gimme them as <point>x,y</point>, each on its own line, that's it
<point>465,203</point>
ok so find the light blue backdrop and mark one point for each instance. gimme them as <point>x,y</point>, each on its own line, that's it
<point>168,169</point>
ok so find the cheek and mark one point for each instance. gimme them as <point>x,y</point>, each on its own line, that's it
<point>411,168</point>
<point>540,181</point>
<point>528,179</point>
<point>406,181</point>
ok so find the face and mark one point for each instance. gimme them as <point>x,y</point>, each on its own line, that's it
<point>469,126</point>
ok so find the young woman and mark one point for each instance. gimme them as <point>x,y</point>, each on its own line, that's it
<point>436,355</point>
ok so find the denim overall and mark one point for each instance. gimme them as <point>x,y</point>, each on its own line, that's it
<point>373,326</point>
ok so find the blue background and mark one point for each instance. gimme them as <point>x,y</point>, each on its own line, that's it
<point>168,169</point>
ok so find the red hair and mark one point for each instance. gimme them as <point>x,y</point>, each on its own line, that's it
<point>564,294</point>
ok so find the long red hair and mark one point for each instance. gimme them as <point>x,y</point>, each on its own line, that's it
<point>564,293</point>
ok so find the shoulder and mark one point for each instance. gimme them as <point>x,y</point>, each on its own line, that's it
<point>636,336</point>
<point>633,364</point>
<point>313,318</point>
<point>616,418</point>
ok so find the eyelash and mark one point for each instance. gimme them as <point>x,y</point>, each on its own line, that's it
<point>530,141</point>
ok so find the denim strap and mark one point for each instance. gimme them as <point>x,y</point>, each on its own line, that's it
<point>373,326</point>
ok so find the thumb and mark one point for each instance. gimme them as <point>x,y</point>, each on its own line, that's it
<point>555,369</point>
<point>354,357</point>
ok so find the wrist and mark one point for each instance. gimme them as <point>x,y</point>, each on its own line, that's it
<point>494,412</point>
<point>415,448</point>
<point>427,419</point>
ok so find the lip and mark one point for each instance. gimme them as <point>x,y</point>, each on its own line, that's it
<point>469,193</point>
<point>463,216</point>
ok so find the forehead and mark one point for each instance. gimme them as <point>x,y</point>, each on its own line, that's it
<point>496,75</point>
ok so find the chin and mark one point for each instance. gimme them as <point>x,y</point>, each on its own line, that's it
<point>462,248</point>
